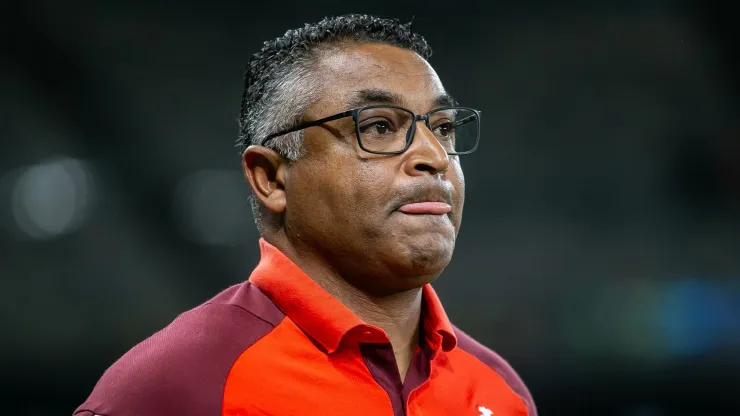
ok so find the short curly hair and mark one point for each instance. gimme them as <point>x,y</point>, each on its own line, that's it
<point>279,83</point>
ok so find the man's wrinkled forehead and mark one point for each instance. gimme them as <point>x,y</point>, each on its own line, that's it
<point>381,68</point>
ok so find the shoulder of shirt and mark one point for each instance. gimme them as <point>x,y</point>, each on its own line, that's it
<point>498,364</point>
<point>182,368</point>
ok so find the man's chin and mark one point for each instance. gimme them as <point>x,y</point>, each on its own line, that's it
<point>425,259</point>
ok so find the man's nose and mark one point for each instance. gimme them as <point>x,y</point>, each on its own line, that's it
<point>426,154</point>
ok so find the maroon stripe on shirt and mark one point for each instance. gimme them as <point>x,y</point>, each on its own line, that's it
<point>497,364</point>
<point>182,369</point>
<point>381,362</point>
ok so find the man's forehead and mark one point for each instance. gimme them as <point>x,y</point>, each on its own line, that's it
<point>378,67</point>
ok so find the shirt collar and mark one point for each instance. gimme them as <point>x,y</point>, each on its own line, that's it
<point>327,320</point>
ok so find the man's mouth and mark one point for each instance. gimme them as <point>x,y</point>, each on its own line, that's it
<point>426,208</point>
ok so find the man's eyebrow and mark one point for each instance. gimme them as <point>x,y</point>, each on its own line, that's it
<point>372,96</point>
<point>375,96</point>
<point>445,100</point>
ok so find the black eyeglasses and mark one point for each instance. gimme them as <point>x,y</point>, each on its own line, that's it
<point>389,130</point>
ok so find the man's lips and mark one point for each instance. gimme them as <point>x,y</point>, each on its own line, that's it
<point>433,208</point>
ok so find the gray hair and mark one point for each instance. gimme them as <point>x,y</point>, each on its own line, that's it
<point>292,92</point>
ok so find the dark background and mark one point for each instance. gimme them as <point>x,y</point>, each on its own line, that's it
<point>600,252</point>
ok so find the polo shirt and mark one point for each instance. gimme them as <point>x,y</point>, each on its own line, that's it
<point>278,344</point>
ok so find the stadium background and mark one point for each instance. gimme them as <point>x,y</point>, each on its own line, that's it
<point>600,251</point>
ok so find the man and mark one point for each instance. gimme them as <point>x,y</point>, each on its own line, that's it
<point>352,151</point>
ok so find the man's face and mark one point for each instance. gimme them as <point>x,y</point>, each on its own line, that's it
<point>348,203</point>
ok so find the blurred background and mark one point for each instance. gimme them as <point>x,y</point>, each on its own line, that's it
<point>600,251</point>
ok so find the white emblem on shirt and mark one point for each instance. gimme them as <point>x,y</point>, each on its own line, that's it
<point>484,411</point>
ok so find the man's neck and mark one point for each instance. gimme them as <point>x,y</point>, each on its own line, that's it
<point>398,314</point>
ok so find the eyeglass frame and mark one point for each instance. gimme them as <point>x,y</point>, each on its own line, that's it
<point>355,112</point>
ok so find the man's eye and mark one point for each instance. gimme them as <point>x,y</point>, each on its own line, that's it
<point>378,127</point>
<point>444,129</point>
<point>381,127</point>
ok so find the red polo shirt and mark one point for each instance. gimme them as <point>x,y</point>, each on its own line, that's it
<point>279,344</point>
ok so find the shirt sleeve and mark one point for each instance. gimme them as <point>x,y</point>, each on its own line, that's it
<point>499,365</point>
<point>181,370</point>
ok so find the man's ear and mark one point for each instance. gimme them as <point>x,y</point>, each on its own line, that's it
<point>265,171</point>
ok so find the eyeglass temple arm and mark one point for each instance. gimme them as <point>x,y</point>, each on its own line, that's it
<point>307,125</point>
<point>467,119</point>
